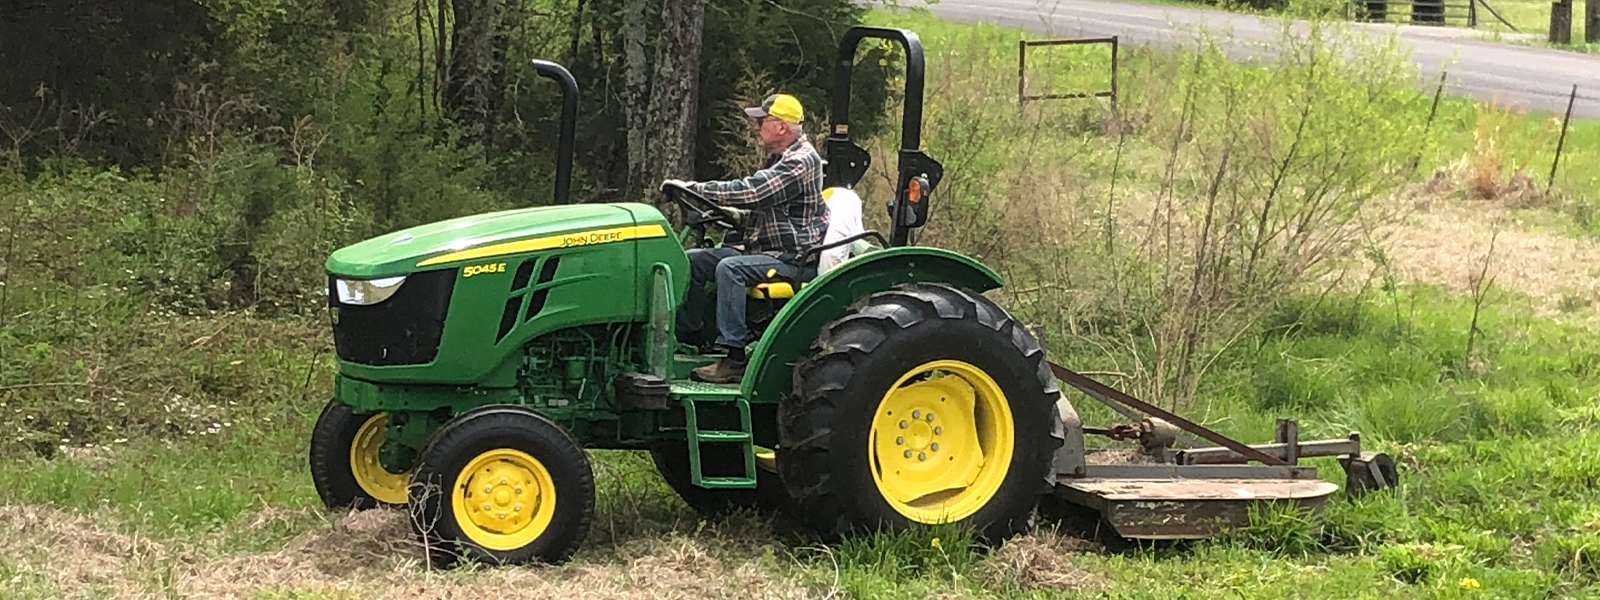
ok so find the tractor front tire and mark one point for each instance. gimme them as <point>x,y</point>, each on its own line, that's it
<point>344,460</point>
<point>502,485</point>
<point>923,405</point>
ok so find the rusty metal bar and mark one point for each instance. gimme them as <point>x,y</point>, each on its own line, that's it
<point>1224,456</point>
<point>1289,436</point>
<point>1114,69</point>
<point>1502,20</point>
<point>1071,42</point>
<point>1086,384</point>
<point>1160,471</point>
<point>1022,70</point>
<point>1072,96</point>
<point>1132,415</point>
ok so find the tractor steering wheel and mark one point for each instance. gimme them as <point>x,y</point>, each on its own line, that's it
<point>699,210</point>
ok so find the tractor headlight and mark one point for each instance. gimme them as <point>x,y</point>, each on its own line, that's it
<point>366,292</point>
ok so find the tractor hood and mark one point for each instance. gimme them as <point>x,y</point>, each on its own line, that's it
<point>447,243</point>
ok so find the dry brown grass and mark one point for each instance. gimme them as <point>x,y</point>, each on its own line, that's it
<point>1043,561</point>
<point>1444,243</point>
<point>363,555</point>
<point>58,554</point>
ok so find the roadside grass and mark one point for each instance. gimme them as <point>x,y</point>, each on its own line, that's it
<point>1533,17</point>
<point>148,452</point>
<point>1474,150</point>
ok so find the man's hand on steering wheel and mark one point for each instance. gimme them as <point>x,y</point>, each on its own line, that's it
<point>699,210</point>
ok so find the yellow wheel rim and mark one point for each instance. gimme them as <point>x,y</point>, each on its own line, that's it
<point>504,499</point>
<point>941,442</point>
<point>376,481</point>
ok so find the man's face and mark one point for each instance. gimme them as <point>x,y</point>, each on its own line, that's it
<point>771,131</point>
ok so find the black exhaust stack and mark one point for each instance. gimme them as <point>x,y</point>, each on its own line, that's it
<point>569,124</point>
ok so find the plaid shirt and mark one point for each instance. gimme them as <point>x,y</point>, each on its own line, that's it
<point>784,199</point>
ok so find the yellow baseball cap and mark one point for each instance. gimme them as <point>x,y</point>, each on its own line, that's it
<point>783,106</point>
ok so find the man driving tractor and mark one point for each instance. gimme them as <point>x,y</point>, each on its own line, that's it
<point>783,214</point>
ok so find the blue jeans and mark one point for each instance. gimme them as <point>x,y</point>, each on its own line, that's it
<point>734,274</point>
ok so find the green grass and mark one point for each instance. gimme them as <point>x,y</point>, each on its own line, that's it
<point>1501,481</point>
<point>1533,17</point>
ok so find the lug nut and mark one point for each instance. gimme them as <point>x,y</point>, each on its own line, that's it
<point>488,489</point>
<point>519,489</point>
<point>900,441</point>
<point>916,414</point>
<point>486,507</point>
<point>517,508</point>
<point>908,454</point>
<point>904,424</point>
<point>922,456</point>
<point>930,417</point>
<point>934,447</point>
<point>938,431</point>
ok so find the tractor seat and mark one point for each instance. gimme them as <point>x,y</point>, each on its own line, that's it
<point>774,290</point>
<point>844,229</point>
<point>781,288</point>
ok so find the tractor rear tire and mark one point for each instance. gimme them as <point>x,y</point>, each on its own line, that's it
<point>344,461</point>
<point>672,461</point>
<point>502,485</point>
<point>860,436</point>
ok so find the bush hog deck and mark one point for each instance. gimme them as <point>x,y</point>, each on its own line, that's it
<point>479,357</point>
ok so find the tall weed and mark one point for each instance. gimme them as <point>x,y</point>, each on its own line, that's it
<point>1152,239</point>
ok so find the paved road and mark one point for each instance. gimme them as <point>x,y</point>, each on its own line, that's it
<point>1533,78</point>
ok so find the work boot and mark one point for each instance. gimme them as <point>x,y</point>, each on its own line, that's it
<point>729,369</point>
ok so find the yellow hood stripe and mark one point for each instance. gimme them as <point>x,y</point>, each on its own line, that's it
<point>565,240</point>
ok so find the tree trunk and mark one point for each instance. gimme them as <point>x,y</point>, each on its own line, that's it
<point>676,94</point>
<point>661,93</point>
<point>636,88</point>
<point>472,91</point>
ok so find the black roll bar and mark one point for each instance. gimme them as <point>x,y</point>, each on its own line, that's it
<point>848,162</point>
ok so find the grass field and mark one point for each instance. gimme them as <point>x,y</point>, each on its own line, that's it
<point>1532,17</point>
<point>151,452</point>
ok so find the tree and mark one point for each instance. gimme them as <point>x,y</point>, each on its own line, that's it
<point>662,101</point>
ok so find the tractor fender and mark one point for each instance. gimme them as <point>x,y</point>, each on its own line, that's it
<point>788,338</point>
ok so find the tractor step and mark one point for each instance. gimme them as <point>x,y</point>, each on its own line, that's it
<point>727,483</point>
<point>687,388</point>
<point>722,436</point>
<point>716,401</point>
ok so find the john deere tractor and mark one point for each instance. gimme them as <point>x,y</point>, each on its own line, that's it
<point>480,357</point>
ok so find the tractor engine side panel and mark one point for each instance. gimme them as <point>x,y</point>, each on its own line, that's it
<point>497,305</point>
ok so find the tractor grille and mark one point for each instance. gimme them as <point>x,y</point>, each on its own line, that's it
<point>403,330</point>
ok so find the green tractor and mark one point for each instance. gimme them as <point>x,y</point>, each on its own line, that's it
<point>479,357</point>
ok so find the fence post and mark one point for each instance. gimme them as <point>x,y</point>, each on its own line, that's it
<point>1562,142</point>
<point>1022,73</point>
<point>1114,68</point>
<point>1428,12</point>
<point>1561,22</point>
<point>1472,13</point>
<point>1591,25</point>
